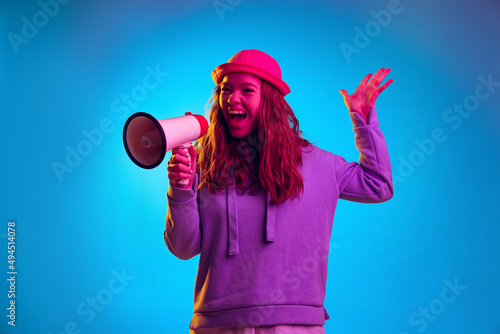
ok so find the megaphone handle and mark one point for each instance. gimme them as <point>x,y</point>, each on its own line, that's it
<point>185,147</point>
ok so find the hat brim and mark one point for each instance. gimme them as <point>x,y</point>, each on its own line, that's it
<point>221,70</point>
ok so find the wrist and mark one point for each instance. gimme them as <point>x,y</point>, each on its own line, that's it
<point>182,185</point>
<point>362,115</point>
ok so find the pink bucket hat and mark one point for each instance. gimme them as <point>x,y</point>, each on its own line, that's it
<point>253,62</point>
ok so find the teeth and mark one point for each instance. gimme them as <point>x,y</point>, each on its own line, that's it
<point>236,112</point>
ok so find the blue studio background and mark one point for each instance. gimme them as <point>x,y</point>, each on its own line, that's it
<point>90,254</point>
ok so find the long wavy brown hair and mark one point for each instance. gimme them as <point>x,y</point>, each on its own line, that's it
<point>270,158</point>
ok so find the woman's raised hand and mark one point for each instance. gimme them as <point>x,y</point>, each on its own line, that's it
<point>182,166</point>
<point>365,95</point>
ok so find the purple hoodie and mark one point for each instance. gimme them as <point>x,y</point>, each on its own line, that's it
<point>265,264</point>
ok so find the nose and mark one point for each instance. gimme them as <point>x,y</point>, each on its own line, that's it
<point>234,98</point>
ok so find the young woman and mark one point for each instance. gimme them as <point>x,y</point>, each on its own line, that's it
<point>260,201</point>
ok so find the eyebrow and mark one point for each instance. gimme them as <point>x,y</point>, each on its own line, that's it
<point>243,84</point>
<point>249,84</point>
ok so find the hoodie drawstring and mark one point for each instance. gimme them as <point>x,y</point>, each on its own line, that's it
<point>232,218</point>
<point>232,221</point>
<point>270,219</point>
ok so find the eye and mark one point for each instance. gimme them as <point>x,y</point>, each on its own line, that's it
<point>225,89</point>
<point>248,90</point>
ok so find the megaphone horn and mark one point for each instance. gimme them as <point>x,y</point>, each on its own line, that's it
<point>147,139</point>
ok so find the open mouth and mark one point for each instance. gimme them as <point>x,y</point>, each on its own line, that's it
<point>237,116</point>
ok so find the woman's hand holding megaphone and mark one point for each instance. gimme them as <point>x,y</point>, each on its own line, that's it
<point>182,167</point>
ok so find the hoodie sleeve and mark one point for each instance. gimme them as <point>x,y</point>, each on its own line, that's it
<point>370,180</point>
<point>182,225</point>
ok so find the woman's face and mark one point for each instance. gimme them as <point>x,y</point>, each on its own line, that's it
<point>240,100</point>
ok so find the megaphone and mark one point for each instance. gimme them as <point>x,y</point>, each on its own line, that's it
<point>147,139</point>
